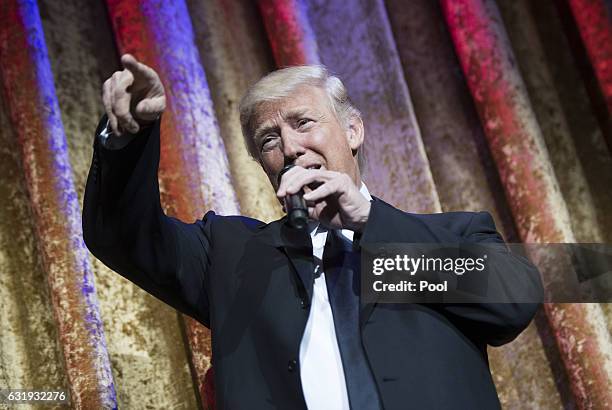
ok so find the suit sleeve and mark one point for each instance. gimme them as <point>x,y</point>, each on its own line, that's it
<point>491,323</point>
<point>125,227</point>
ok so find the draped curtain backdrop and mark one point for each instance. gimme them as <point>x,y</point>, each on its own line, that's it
<point>502,106</point>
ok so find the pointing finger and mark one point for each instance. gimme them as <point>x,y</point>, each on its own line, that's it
<point>130,62</point>
<point>137,68</point>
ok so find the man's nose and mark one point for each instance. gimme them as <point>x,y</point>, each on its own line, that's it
<point>292,147</point>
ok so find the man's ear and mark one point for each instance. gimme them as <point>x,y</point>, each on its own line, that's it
<point>355,133</point>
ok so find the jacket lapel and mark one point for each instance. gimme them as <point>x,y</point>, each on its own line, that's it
<point>366,308</point>
<point>296,244</point>
<point>366,311</point>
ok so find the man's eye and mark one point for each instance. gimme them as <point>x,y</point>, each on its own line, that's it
<point>268,142</point>
<point>303,121</point>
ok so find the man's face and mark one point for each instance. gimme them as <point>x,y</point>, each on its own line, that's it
<point>302,129</point>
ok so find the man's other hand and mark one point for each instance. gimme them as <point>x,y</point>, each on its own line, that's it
<point>133,97</point>
<point>332,197</point>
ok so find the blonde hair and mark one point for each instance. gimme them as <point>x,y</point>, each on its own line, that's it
<point>281,84</point>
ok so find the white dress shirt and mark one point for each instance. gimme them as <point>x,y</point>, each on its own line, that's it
<point>321,370</point>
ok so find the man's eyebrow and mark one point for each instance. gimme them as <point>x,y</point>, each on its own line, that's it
<point>299,112</point>
<point>263,130</point>
<point>291,115</point>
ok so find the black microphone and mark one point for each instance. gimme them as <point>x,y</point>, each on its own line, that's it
<point>297,211</point>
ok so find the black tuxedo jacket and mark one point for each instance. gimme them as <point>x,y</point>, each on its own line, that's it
<point>251,284</point>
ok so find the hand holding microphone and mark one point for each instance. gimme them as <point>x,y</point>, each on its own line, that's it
<point>295,205</point>
<point>333,198</point>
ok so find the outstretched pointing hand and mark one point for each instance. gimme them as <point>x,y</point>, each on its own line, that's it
<point>133,97</point>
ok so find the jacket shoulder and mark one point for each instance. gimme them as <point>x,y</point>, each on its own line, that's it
<point>454,221</point>
<point>389,224</point>
<point>231,222</point>
<point>458,221</point>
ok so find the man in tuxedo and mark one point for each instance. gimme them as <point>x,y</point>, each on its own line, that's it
<point>289,328</point>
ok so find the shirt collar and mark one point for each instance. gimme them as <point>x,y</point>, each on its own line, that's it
<point>364,191</point>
